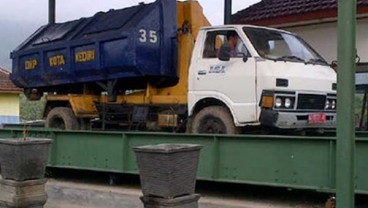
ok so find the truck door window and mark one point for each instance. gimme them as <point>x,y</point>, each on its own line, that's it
<point>215,39</point>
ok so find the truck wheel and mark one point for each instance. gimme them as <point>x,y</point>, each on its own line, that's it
<point>214,119</point>
<point>62,118</point>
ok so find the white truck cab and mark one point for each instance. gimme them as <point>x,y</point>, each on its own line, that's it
<point>274,79</point>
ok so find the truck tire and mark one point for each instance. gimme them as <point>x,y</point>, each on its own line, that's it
<point>62,118</point>
<point>214,119</point>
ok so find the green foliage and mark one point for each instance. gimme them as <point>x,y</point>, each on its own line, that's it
<point>358,103</point>
<point>359,98</point>
<point>31,110</point>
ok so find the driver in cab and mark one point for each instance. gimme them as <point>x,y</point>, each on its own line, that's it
<point>232,40</point>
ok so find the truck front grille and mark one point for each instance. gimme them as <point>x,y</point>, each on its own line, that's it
<point>311,102</point>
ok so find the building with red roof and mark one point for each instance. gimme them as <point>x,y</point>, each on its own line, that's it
<point>9,99</point>
<point>313,20</point>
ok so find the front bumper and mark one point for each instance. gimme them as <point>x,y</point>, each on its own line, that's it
<point>294,120</point>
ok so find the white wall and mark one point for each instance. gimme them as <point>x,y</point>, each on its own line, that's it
<point>323,38</point>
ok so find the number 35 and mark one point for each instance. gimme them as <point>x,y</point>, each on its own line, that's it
<point>145,36</point>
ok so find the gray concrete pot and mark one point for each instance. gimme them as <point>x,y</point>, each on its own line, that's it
<point>22,160</point>
<point>168,170</point>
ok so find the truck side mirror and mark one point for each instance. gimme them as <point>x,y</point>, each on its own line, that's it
<point>224,53</point>
<point>245,55</point>
<point>245,59</point>
<point>333,65</point>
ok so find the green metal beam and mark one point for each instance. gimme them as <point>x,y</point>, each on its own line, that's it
<point>283,161</point>
<point>345,101</point>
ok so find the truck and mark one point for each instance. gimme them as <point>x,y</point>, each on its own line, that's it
<point>162,67</point>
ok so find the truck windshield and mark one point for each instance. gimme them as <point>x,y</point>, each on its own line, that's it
<point>282,46</point>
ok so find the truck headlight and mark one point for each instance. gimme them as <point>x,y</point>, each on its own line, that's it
<point>330,104</point>
<point>333,104</point>
<point>278,102</point>
<point>288,103</point>
<point>284,102</point>
<point>327,106</point>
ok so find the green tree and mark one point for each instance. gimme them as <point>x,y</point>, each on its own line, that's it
<point>31,110</point>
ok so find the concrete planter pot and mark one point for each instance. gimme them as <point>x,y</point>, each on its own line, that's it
<point>22,160</point>
<point>168,170</point>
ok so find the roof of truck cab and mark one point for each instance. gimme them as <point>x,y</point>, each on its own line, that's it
<point>240,26</point>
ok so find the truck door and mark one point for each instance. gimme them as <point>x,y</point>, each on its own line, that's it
<point>233,81</point>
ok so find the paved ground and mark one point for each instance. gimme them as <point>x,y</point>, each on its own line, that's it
<point>72,195</point>
<point>88,189</point>
<point>65,194</point>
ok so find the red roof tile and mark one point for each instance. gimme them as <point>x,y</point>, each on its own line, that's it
<point>269,9</point>
<point>6,85</point>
